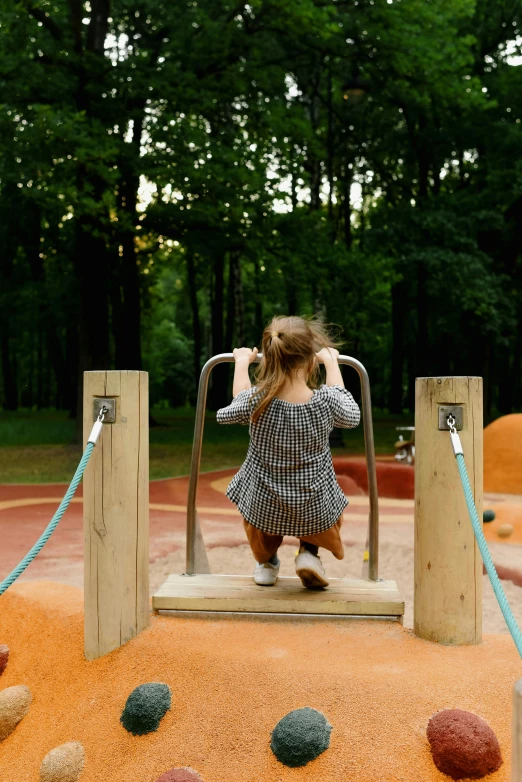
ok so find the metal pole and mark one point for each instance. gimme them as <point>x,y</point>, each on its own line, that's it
<point>373,524</point>
<point>196,457</point>
<point>370,459</point>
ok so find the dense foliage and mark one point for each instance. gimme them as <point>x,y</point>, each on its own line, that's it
<point>172,174</point>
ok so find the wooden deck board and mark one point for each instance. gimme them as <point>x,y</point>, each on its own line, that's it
<point>204,592</point>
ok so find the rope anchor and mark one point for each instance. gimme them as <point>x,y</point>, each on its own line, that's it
<point>479,535</point>
<point>42,540</point>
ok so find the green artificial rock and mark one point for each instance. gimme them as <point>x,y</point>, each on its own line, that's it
<point>488,515</point>
<point>300,736</point>
<point>145,708</point>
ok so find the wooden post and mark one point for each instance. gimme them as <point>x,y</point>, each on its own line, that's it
<point>448,565</point>
<point>116,513</point>
<point>516,746</point>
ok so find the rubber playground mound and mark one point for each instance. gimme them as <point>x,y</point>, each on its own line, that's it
<point>232,680</point>
<point>503,455</point>
<point>395,481</point>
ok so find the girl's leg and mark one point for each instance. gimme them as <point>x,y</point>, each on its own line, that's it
<point>308,566</point>
<point>330,540</point>
<point>304,545</point>
<point>264,546</point>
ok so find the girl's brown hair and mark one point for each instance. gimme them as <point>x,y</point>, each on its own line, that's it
<point>288,344</point>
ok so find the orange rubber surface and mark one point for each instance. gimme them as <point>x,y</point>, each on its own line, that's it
<point>232,679</point>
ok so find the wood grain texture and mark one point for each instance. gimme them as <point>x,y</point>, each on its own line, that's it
<point>116,514</point>
<point>448,565</point>
<point>516,747</point>
<point>239,593</point>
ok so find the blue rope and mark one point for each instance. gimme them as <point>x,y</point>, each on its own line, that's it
<point>40,543</point>
<point>486,556</point>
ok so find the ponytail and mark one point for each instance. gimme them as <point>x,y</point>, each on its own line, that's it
<point>288,344</point>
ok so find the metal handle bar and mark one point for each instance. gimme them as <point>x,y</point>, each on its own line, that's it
<point>370,459</point>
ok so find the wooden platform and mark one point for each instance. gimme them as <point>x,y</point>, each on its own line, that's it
<point>352,597</point>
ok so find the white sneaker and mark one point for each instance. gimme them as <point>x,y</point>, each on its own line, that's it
<point>310,570</point>
<point>266,574</point>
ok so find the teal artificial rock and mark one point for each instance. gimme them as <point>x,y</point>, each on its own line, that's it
<point>488,515</point>
<point>145,708</point>
<point>300,736</point>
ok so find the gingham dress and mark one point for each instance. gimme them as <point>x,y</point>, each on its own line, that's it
<point>287,484</point>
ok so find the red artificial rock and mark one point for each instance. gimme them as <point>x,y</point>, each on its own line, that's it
<point>180,775</point>
<point>4,657</point>
<point>463,745</point>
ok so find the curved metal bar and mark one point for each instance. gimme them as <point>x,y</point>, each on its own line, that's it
<point>370,460</point>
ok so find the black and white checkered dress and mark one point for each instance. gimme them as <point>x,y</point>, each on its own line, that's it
<point>287,483</point>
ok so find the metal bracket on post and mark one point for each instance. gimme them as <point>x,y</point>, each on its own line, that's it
<point>109,404</point>
<point>457,411</point>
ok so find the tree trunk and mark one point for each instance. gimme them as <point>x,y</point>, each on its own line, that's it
<point>196,323</point>
<point>291,297</point>
<point>313,164</point>
<point>422,349</point>
<point>504,380</point>
<point>71,361</point>
<point>347,208</point>
<point>56,359</point>
<point>258,308</point>
<point>293,195</point>
<point>231,302</point>
<point>8,369</point>
<point>219,391</point>
<point>422,367</point>
<point>362,218</point>
<point>486,374</point>
<point>217,304</point>
<point>28,393</point>
<point>39,369</point>
<point>130,278</point>
<point>92,261</point>
<point>239,300</point>
<point>117,321</point>
<point>235,331</point>
<point>398,294</point>
<point>93,328</point>
<point>516,374</point>
<point>131,310</point>
<point>330,155</point>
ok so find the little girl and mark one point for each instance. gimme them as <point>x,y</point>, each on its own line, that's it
<point>287,484</point>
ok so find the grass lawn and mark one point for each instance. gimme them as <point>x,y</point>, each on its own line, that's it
<point>39,447</point>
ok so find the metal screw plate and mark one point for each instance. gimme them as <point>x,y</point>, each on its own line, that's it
<point>457,411</point>
<point>110,404</point>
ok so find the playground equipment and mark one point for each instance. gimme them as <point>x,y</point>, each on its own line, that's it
<point>405,449</point>
<point>447,579</point>
<point>198,590</point>
<point>447,564</point>
<point>116,512</point>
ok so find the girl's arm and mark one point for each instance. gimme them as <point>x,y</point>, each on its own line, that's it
<point>243,358</point>
<point>328,356</point>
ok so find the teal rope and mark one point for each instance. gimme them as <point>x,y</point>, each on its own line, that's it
<point>40,543</point>
<point>486,556</point>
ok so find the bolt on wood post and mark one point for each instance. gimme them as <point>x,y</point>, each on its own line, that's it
<point>116,513</point>
<point>447,562</point>
<point>516,745</point>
